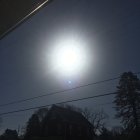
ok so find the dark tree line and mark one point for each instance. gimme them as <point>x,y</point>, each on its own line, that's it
<point>9,135</point>
<point>127,105</point>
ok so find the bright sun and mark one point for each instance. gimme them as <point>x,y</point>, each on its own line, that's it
<point>69,57</point>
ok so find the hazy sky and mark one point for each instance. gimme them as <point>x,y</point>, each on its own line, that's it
<point>110,30</point>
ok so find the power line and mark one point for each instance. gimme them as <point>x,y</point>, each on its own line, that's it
<point>61,91</point>
<point>57,92</point>
<point>63,102</point>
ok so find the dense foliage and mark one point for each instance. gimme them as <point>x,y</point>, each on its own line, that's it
<point>127,102</point>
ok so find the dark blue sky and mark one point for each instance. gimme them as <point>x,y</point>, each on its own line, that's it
<point>111,30</point>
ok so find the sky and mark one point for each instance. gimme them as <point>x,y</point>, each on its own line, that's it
<point>110,32</point>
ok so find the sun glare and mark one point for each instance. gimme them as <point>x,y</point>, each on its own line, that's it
<point>69,57</point>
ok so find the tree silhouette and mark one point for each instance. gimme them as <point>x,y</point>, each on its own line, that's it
<point>96,118</point>
<point>41,113</point>
<point>9,135</point>
<point>33,127</point>
<point>127,101</point>
<point>105,134</point>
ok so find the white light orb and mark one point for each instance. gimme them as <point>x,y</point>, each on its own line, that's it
<point>69,57</point>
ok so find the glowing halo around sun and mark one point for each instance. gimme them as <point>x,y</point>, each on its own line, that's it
<point>69,57</point>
